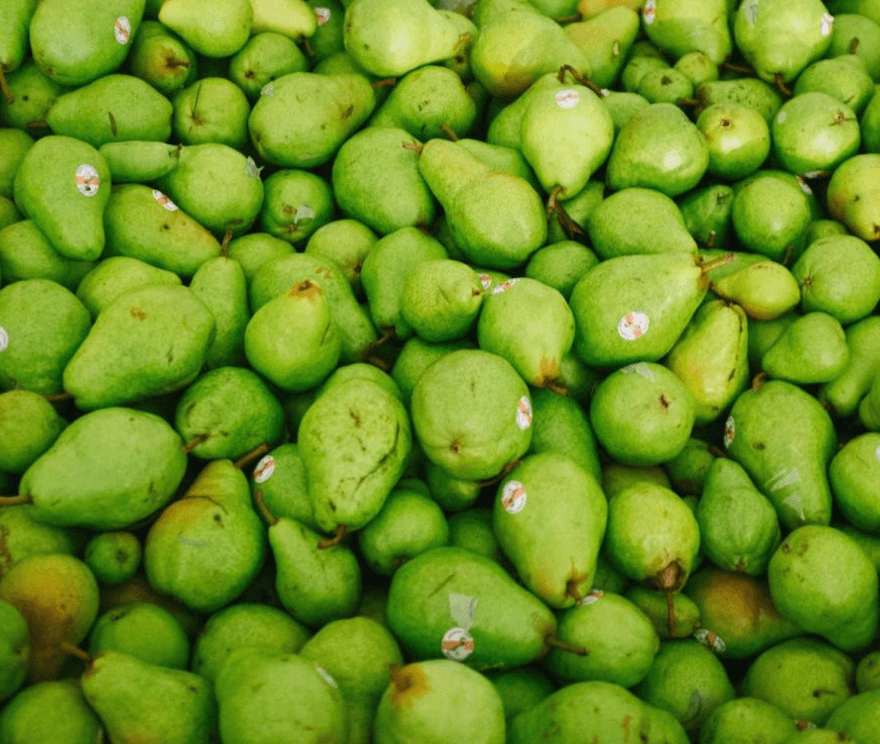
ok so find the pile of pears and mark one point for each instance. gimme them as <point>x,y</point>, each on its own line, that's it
<point>439,372</point>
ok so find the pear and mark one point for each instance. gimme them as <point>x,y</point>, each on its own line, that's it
<point>606,39</point>
<point>280,481</point>
<point>765,290</point>
<point>293,18</point>
<point>144,630</point>
<point>679,620</point>
<point>76,43</point>
<point>561,425</point>
<point>116,275</point>
<point>347,242</point>
<point>207,547</point>
<point>617,477</point>
<point>749,91</point>
<point>251,251</point>
<point>561,265</point>
<point>30,426</point>
<point>479,616</point>
<point>856,716</point>
<point>362,657</point>
<point>738,137</point>
<point>23,536</point>
<point>850,25</point>
<point>788,358</point>
<point>746,718</point>
<point>212,109</point>
<point>16,143</point>
<point>843,394</point>
<point>687,471</point>
<point>15,650</point>
<point>391,38</point>
<point>665,86</point>
<point>851,474</point>
<point>148,341</point>
<point>58,597</point>
<point>266,56</point>
<point>844,77</point>
<point>521,689</point>
<point>214,29</point>
<point>14,41</point>
<point>221,284</point>
<point>851,195</point>
<point>819,564</point>
<point>440,700</point>
<point>679,28</point>
<point>505,129</point>
<point>134,698</point>
<point>50,711</point>
<point>296,203</point>
<point>33,93</point>
<point>113,557</point>
<point>139,161</point>
<point>25,253</point>
<point>161,58</point>
<point>472,529</point>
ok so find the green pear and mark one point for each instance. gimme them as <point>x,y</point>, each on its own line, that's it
<point>265,57</point>
<point>114,557</point>
<point>15,651</point>
<point>24,536</point>
<point>77,42</point>
<point>866,672</point>
<point>58,186</point>
<point>505,129</point>
<point>30,427</point>
<point>479,616</point>
<point>745,719</point>
<point>665,86</point>
<point>50,711</point>
<point>561,265</point>
<point>301,119</point>
<point>132,697</point>
<point>471,413</point>
<point>415,357</point>
<point>678,28</point>
<point>812,349</point>
<point>852,474</point>
<point>139,161</point>
<point>763,334</point>
<point>787,463</point>
<point>33,94</point>
<point>362,657</point>
<point>160,57</point>
<point>221,284</point>
<point>738,137</point>
<point>856,716</point>
<point>94,115</point>
<point>452,493</point>
<point>680,620</point>
<point>266,694</point>
<point>706,214</point>
<point>619,637</point>
<point>764,290</point>
<point>58,597</point>
<point>377,180</point>
<point>438,700</point>
<point>127,355</point>
<point>16,143</point>
<point>659,228</point>
<point>521,689</point>
<point>561,425</point>
<point>347,242</point>
<point>116,275</point>
<point>293,18</point>
<point>251,251</point>
<point>208,546</point>
<point>214,29</point>
<point>212,109</point>
<point>819,565</point>
<point>606,39</point>
<point>14,40</point>
<point>244,624</point>
<point>849,26</point>
<point>279,478</point>
<point>144,630</point>
<point>844,77</point>
<point>749,91</point>
<point>739,529</point>
<point>804,677</point>
<point>697,67</point>
<point>637,66</point>
<point>844,393</point>
<point>472,529</point>
<point>687,471</point>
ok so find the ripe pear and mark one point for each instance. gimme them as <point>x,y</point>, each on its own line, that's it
<point>214,29</point>
<point>50,711</point>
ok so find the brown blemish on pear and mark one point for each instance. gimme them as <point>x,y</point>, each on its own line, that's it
<point>307,289</point>
<point>408,683</point>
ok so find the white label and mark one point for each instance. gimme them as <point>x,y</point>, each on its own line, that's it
<point>165,201</point>
<point>567,98</point>
<point>503,287</point>
<point>267,90</point>
<point>729,431</point>
<point>785,477</point>
<point>303,212</point>
<point>649,11</point>
<point>457,644</point>
<point>826,24</point>
<point>3,346</point>
<point>325,675</point>
<point>605,92</point>
<point>710,640</point>
<point>485,281</point>
<point>633,325</point>
<point>751,11</point>
<point>87,180</point>
<point>805,187</point>
<point>524,413</point>
<point>252,169</point>
<point>639,368</point>
<point>594,596</point>
<point>781,117</point>
<point>815,174</point>
<point>463,609</point>
<point>4,342</point>
<point>122,30</point>
<point>323,15</point>
<point>264,469</point>
<point>794,503</point>
<point>513,497</point>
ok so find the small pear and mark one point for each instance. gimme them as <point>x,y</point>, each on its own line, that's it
<point>50,711</point>
<point>266,56</point>
<point>116,275</point>
<point>812,349</point>
<point>764,290</point>
<point>736,721</point>
<point>144,630</point>
<point>214,29</point>
<point>139,161</point>
<point>293,18</point>
<point>843,394</point>
<point>113,557</point>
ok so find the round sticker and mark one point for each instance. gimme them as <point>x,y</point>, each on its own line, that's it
<point>710,640</point>
<point>633,325</point>
<point>729,431</point>
<point>513,497</point>
<point>826,23</point>
<point>503,287</point>
<point>164,201</point>
<point>567,98</point>
<point>485,281</point>
<point>457,644</point>
<point>594,596</point>
<point>4,342</point>
<point>87,180</point>
<point>649,11</point>
<point>3,346</point>
<point>325,675</point>
<point>639,368</point>
<point>122,30</point>
<point>264,469</point>
<point>323,15</point>
<point>524,413</point>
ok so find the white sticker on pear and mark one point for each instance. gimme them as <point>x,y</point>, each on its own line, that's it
<point>781,117</point>
<point>729,431</point>
<point>594,596</point>
<point>485,281</point>
<point>649,11</point>
<point>303,212</point>
<point>751,12</point>
<point>633,325</point>
<point>87,180</point>
<point>264,469</point>
<point>122,30</point>
<point>710,640</point>
<point>267,90</point>
<point>805,187</point>
<point>567,98</point>
<point>323,15</point>
<point>4,342</point>
<point>815,174</point>
<point>325,675</point>
<point>503,287</point>
<point>165,201</point>
<point>826,24</point>
<point>457,644</point>
<point>513,497</point>
<point>876,452</point>
<point>639,368</point>
<point>524,413</point>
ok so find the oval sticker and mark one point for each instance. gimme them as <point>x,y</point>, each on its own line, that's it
<point>729,431</point>
<point>87,180</point>
<point>164,201</point>
<point>323,15</point>
<point>457,644</point>
<point>594,596</point>
<point>264,469</point>
<point>513,497</point>
<point>122,30</point>
<point>649,12</point>
<point>567,98</point>
<point>710,640</point>
<point>826,24</point>
<point>503,287</point>
<point>4,342</point>
<point>633,325</point>
<point>325,675</point>
<point>524,413</point>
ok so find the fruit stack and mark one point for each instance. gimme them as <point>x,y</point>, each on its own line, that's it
<point>417,372</point>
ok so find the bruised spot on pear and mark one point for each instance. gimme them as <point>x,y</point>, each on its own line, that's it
<point>307,289</point>
<point>670,578</point>
<point>138,314</point>
<point>407,684</point>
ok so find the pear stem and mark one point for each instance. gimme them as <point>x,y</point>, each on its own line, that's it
<point>72,650</point>
<point>252,455</point>
<point>15,500</point>
<point>37,124</point>
<point>854,45</point>
<point>412,146</point>
<point>780,85</point>
<point>378,362</point>
<point>267,515</point>
<point>449,132</point>
<point>717,451</point>
<point>224,245</point>
<point>194,442</point>
<point>504,471</point>
<point>556,643</point>
<point>558,389</point>
<point>175,62</point>
<point>4,86</point>
<point>307,48</point>
<point>585,81</point>
<point>759,379</point>
<point>384,83</point>
<point>687,102</point>
<point>577,17</point>
<point>57,397</point>
<point>341,532</point>
<point>744,69</point>
<point>670,613</point>
<point>716,262</point>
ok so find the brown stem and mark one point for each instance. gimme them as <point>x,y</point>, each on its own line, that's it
<point>582,79</point>
<point>786,257</point>
<point>744,69</point>
<point>76,651</point>
<point>576,18</point>
<point>384,83</point>
<point>256,452</point>
<point>710,241</point>
<point>412,146</point>
<point>267,515</point>
<point>224,245</point>
<point>329,542</point>
<point>378,362</point>
<point>15,500</point>
<point>717,451</point>
<point>780,85</point>
<point>194,442</point>
<point>558,388</point>
<point>669,578</point>
<point>759,379</point>
<point>670,613</point>
<point>571,590</point>
<point>854,45</point>
<point>175,62</point>
<point>57,397</point>
<point>688,102</point>
<point>716,262</point>
<point>556,643</point>
<point>4,86</point>
<point>37,124</point>
<point>308,50</point>
<point>504,471</point>
<point>449,132</point>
